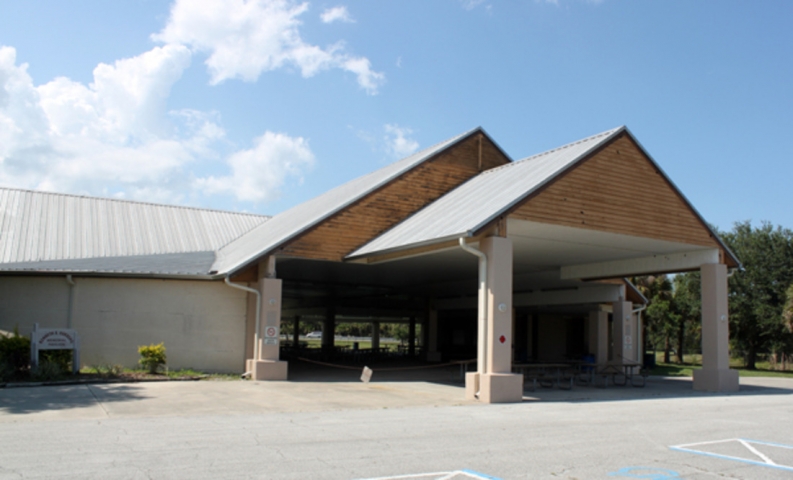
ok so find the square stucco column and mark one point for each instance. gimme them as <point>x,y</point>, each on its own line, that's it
<point>599,336</point>
<point>375,335</point>
<point>715,375</point>
<point>268,366</point>
<point>624,333</point>
<point>498,384</point>
<point>432,336</point>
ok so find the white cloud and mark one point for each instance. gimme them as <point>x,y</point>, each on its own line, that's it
<point>258,174</point>
<point>472,4</point>
<point>114,137</point>
<point>398,142</point>
<point>335,14</point>
<point>244,38</point>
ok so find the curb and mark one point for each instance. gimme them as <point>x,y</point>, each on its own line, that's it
<point>98,381</point>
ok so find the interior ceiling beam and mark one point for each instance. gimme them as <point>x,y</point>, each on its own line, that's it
<point>654,264</point>
<point>589,294</point>
<point>362,313</point>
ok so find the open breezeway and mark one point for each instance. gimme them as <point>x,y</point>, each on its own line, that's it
<point>389,429</point>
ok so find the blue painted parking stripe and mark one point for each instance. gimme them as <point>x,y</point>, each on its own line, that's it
<point>479,475</point>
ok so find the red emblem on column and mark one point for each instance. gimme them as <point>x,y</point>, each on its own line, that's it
<point>502,339</point>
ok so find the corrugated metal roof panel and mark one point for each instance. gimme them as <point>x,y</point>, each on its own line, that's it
<point>41,226</point>
<point>288,224</point>
<point>478,201</point>
<point>195,264</point>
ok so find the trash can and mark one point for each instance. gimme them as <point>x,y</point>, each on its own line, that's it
<point>649,360</point>
<point>354,346</point>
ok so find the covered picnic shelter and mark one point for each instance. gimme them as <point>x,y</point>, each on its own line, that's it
<point>459,230</point>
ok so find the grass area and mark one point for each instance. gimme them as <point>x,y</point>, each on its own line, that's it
<point>317,343</point>
<point>694,362</point>
<point>117,371</point>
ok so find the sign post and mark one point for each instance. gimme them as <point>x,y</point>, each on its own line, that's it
<point>54,339</point>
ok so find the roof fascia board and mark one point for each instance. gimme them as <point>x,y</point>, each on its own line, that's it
<point>415,250</point>
<point>94,274</point>
<point>309,228</point>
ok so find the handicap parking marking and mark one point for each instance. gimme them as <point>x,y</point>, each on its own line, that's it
<point>648,473</point>
<point>753,452</point>
<point>453,475</point>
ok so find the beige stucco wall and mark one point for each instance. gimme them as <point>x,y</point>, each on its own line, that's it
<point>202,323</point>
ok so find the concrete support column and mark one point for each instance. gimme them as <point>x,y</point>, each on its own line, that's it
<point>268,366</point>
<point>296,333</point>
<point>715,375</point>
<point>329,328</point>
<point>599,336</point>
<point>432,336</point>
<point>375,334</point>
<point>412,337</point>
<point>497,383</point>
<point>624,333</point>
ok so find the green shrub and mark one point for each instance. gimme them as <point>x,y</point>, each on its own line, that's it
<point>152,356</point>
<point>14,356</point>
<point>47,370</point>
<point>59,358</point>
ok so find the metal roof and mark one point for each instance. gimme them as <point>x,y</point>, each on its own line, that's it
<point>483,198</point>
<point>191,264</point>
<point>296,220</point>
<point>44,227</point>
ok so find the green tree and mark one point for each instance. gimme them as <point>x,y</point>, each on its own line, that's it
<point>758,292</point>
<point>787,312</point>
<point>687,309</point>
<point>658,318</point>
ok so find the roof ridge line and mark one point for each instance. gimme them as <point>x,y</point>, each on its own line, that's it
<point>136,202</point>
<point>553,150</point>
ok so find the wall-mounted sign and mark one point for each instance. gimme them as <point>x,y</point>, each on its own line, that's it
<point>271,335</point>
<point>54,339</point>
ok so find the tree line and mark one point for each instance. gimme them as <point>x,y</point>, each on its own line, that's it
<point>760,300</point>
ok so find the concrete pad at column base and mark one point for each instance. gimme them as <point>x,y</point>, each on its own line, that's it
<point>267,369</point>
<point>471,385</point>
<point>501,388</point>
<point>713,380</point>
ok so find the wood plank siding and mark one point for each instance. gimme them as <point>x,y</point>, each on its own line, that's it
<point>617,190</point>
<point>346,231</point>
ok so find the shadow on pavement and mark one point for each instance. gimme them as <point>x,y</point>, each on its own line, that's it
<point>407,371</point>
<point>655,388</point>
<point>25,400</point>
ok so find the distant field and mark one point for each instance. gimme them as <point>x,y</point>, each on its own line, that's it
<point>694,362</point>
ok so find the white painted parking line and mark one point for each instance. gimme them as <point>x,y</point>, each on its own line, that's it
<point>754,452</point>
<point>453,475</point>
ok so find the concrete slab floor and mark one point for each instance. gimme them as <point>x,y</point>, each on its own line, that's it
<point>391,428</point>
<point>334,393</point>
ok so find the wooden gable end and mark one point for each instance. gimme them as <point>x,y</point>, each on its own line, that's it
<point>619,190</point>
<point>353,227</point>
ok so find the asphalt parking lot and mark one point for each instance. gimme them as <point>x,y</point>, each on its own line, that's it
<point>394,428</point>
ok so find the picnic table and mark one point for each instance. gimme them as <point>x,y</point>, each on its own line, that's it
<point>622,373</point>
<point>546,374</point>
<point>464,367</point>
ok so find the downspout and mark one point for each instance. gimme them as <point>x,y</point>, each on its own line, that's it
<point>639,336</point>
<point>258,314</point>
<point>71,283</point>
<point>481,361</point>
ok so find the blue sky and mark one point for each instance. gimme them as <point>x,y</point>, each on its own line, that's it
<point>257,106</point>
